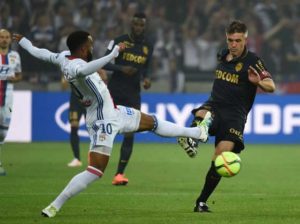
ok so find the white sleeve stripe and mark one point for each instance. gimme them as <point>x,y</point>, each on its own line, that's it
<point>110,45</point>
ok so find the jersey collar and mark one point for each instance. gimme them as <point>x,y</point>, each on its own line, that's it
<point>222,55</point>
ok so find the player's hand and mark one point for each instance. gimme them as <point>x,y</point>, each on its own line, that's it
<point>122,47</point>
<point>12,79</point>
<point>128,70</point>
<point>17,37</point>
<point>253,75</point>
<point>16,78</point>
<point>146,83</point>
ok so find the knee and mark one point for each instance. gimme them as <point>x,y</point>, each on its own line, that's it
<point>200,113</point>
<point>99,157</point>
<point>74,123</point>
<point>223,146</point>
<point>147,122</point>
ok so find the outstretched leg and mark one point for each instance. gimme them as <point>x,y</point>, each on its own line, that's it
<point>95,170</point>
<point>169,129</point>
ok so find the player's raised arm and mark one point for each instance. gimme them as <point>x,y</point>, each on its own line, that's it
<point>40,53</point>
<point>126,69</point>
<point>262,79</point>
<point>94,66</point>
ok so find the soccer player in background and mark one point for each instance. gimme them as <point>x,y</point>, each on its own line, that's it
<point>10,72</point>
<point>129,70</point>
<point>237,76</point>
<point>103,119</point>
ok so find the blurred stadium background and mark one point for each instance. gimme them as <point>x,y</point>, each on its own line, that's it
<point>164,181</point>
<point>187,35</point>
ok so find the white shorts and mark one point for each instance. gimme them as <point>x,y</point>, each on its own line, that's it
<point>103,132</point>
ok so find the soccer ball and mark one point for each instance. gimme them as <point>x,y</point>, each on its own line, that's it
<point>228,164</point>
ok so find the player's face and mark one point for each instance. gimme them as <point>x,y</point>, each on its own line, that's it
<point>138,26</point>
<point>5,39</point>
<point>236,43</point>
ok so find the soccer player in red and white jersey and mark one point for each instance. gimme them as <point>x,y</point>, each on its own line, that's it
<point>103,120</point>
<point>10,72</point>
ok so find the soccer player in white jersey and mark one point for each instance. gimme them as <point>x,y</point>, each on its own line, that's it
<point>10,72</point>
<point>103,119</point>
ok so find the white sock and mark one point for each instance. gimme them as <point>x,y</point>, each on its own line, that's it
<point>169,129</point>
<point>76,185</point>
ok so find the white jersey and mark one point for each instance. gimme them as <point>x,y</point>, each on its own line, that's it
<point>10,64</point>
<point>103,119</point>
<point>90,89</point>
<point>83,77</point>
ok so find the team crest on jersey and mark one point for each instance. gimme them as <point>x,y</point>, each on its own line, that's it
<point>102,137</point>
<point>12,59</point>
<point>238,66</point>
<point>145,50</point>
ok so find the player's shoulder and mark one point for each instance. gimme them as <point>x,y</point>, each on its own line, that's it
<point>59,58</point>
<point>252,56</point>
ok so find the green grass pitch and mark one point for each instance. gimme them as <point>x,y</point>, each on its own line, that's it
<point>163,184</point>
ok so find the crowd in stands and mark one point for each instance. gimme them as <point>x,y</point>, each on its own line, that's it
<point>187,34</point>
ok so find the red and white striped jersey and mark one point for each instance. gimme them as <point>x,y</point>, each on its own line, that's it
<point>10,64</point>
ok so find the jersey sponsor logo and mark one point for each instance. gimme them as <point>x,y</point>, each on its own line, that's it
<point>129,111</point>
<point>145,50</point>
<point>238,66</point>
<point>138,59</point>
<point>227,76</point>
<point>236,132</point>
<point>4,69</point>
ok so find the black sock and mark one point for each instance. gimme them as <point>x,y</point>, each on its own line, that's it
<point>211,182</point>
<point>126,150</point>
<point>74,140</point>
